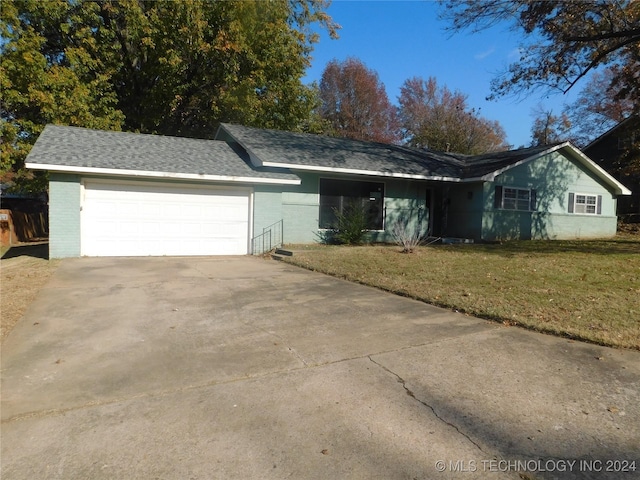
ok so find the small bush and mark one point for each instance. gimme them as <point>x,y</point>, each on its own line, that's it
<point>351,225</point>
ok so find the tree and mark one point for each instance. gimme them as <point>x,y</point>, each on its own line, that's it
<point>549,128</point>
<point>154,66</point>
<point>596,109</point>
<point>439,119</point>
<point>37,88</point>
<point>563,42</point>
<point>355,104</point>
<point>239,61</point>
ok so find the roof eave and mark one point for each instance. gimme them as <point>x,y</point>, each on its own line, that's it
<point>351,171</point>
<point>617,187</point>
<point>153,174</point>
<point>489,177</point>
<point>610,131</point>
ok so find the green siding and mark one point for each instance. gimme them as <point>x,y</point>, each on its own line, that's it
<point>296,206</point>
<point>553,177</point>
<point>405,202</point>
<point>301,206</point>
<point>267,207</point>
<point>567,226</point>
<point>300,223</point>
<point>300,209</point>
<point>267,210</point>
<point>64,215</point>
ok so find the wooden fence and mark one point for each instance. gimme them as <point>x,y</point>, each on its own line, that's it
<point>19,227</point>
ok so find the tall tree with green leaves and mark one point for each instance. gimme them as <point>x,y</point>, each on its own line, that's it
<point>40,85</point>
<point>176,67</point>
<point>436,118</point>
<point>188,65</point>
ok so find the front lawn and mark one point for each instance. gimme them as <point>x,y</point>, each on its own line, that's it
<point>24,270</point>
<point>588,290</point>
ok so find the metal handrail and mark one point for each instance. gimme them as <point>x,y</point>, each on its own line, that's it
<point>270,238</point>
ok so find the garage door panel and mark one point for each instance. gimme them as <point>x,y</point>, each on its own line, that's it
<point>142,220</point>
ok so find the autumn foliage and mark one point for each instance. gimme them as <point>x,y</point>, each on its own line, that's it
<point>355,103</point>
<point>563,41</point>
<point>436,118</point>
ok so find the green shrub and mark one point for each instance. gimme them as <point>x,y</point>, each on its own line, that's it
<point>351,224</point>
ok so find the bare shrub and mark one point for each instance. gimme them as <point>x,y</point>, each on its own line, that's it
<point>407,234</point>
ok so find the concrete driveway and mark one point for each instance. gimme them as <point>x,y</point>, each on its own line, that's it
<point>238,367</point>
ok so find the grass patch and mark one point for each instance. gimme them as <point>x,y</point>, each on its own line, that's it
<point>24,270</point>
<point>587,290</point>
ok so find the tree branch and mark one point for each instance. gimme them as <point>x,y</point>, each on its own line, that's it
<point>634,34</point>
<point>598,59</point>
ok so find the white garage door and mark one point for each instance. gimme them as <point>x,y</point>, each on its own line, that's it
<point>140,220</point>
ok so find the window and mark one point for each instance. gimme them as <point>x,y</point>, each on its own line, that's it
<point>340,195</point>
<point>515,198</point>
<point>585,203</point>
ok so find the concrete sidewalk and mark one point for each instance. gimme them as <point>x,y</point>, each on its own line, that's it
<point>238,367</point>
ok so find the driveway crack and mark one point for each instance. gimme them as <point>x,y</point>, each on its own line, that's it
<point>430,407</point>
<point>282,340</point>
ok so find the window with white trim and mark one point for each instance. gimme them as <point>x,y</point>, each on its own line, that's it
<point>508,198</point>
<point>585,203</point>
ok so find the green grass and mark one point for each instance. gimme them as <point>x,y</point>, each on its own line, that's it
<point>587,290</point>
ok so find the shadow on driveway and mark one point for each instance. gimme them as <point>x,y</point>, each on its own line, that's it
<point>239,367</point>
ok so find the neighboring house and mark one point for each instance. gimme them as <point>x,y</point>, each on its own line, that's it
<point>126,194</point>
<point>607,151</point>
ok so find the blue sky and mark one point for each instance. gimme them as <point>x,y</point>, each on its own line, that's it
<point>403,39</point>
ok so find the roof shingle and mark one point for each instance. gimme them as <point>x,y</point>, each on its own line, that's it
<point>303,149</point>
<point>86,148</point>
<point>278,151</point>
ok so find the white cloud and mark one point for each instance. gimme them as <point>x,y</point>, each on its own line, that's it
<point>485,54</point>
